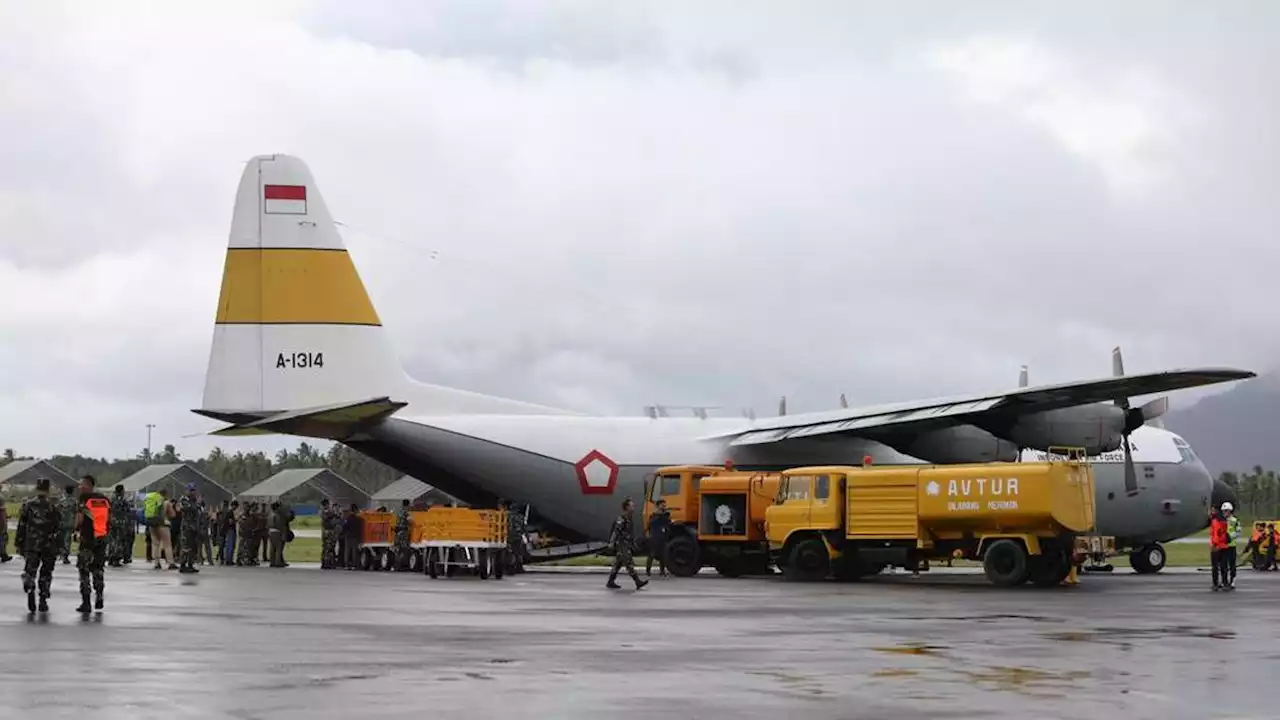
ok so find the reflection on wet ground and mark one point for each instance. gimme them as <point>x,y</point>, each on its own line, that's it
<point>300,643</point>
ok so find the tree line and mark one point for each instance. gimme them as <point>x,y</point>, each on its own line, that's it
<point>1258,492</point>
<point>236,472</point>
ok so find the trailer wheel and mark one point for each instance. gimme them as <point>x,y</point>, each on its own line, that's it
<point>387,560</point>
<point>483,561</point>
<point>1051,569</point>
<point>431,559</point>
<point>1149,560</point>
<point>415,561</point>
<point>683,556</point>
<point>809,561</point>
<point>366,559</point>
<point>1005,563</point>
<point>499,563</point>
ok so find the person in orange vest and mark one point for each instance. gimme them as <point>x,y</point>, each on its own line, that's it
<point>1218,550</point>
<point>1271,538</point>
<point>92,522</point>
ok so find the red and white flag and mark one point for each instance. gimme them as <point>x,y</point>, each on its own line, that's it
<point>284,199</point>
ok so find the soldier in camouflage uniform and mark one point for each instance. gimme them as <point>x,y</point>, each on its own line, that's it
<point>123,526</point>
<point>402,537</point>
<point>623,541</point>
<point>329,522</point>
<point>67,509</point>
<point>4,533</point>
<point>39,537</point>
<point>242,535</point>
<point>189,509</point>
<point>91,554</point>
<point>248,552</point>
<point>515,537</point>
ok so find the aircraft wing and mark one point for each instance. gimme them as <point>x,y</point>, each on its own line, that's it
<point>942,412</point>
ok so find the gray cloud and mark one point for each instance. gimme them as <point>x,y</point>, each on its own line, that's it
<point>606,209</point>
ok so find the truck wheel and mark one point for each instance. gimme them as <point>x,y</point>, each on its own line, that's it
<point>1051,569</point>
<point>499,564</point>
<point>432,560</point>
<point>366,559</point>
<point>415,561</point>
<point>683,556</point>
<point>483,563</point>
<point>809,561</point>
<point>1005,563</point>
<point>1149,560</point>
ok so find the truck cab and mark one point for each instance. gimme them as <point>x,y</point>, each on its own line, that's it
<point>717,518</point>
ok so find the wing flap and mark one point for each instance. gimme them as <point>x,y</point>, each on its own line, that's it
<point>942,412</point>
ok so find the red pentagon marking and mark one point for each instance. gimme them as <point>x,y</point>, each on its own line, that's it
<point>597,474</point>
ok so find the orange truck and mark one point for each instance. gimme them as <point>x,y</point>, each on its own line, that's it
<point>717,518</point>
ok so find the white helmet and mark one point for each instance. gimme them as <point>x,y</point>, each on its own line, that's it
<point>1227,507</point>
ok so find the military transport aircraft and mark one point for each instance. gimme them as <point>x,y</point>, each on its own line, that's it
<point>298,349</point>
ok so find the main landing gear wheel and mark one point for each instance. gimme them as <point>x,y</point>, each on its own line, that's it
<point>683,556</point>
<point>809,562</point>
<point>1006,563</point>
<point>1149,560</point>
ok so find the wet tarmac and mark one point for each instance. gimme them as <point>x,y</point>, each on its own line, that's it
<point>303,643</point>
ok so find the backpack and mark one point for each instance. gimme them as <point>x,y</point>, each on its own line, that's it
<point>153,509</point>
<point>99,511</point>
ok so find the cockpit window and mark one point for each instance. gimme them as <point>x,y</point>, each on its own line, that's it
<point>1184,450</point>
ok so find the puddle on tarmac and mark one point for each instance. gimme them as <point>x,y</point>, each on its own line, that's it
<point>913,649</point>
<point>1121,634</point>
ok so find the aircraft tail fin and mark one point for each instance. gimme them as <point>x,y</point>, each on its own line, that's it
<point>295,327</point>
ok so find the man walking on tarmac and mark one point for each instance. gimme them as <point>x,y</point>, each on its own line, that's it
<point>1221,553</point>
<point>93,517</point>
<point>623,540</point>
<point>39,539</point>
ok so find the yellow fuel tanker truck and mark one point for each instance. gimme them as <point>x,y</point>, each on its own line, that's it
<point>1020,520</point>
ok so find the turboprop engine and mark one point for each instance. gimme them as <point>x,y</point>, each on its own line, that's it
<point>959,444</point>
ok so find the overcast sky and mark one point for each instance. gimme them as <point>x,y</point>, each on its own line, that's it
<point>607,205</point>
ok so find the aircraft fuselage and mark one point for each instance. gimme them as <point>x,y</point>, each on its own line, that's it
<point>535,460</point>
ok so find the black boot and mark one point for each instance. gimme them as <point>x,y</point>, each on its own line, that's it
<point>613,583</point>
<point>84,603</point>
<point>639,583</point>
<point>44,605</point>
<point>31,601</point>
<point>97,603</point>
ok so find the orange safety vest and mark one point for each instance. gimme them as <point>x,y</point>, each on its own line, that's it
<point>99,511</point>
<point>1218,533</point>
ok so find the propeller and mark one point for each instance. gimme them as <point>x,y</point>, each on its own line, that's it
<point>1134,418</point>
<point>844,401</point>
<point>782,406</point>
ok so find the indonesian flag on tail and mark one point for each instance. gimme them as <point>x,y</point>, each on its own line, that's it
<point>284,199</point>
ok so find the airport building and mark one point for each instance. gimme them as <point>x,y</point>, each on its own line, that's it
<point>305,486</point>
<point>21,475</point>
<point>415,491</point>
<point>175,479</point>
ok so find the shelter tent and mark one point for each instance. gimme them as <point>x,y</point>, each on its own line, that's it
<point>22,475</point>
<point>175,479</point>
<point>415,491</point>
<point>291,487</point>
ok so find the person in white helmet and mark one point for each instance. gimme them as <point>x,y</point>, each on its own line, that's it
<point>1233,535</point>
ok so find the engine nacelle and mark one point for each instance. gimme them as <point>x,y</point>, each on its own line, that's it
<point>959,444</point>
<point>1098,428</point>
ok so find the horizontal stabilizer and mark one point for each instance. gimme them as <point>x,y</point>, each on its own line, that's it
<point>331,422</point>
